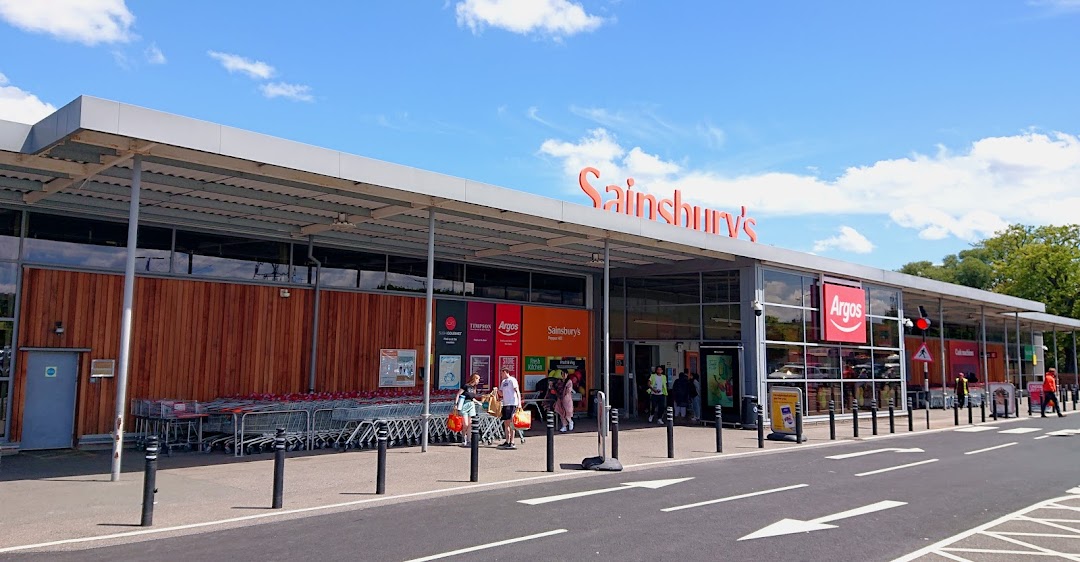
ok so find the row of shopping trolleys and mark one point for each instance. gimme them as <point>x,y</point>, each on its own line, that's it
<point>241,427</point>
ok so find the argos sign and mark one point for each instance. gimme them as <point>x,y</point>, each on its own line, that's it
<point>844,314</point>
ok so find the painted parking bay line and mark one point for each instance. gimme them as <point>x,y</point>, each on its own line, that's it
<point>488,545</point>
<point>1021,430</point>
<point>994,448</point>
<point>976,429</point>
<point>891,468</point>
<point>733,498</point>
<point>875,451</point>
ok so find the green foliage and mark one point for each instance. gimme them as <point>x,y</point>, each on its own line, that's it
<point>1039,263</point>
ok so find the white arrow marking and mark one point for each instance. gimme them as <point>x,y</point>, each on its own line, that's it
<point>861,453</point>
<point>650,484</point>
<point>792,526</point>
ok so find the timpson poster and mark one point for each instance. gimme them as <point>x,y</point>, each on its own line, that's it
<point>480,341</point>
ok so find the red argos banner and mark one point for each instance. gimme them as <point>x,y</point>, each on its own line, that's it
<point>843,311</point>
<point>508,337</point>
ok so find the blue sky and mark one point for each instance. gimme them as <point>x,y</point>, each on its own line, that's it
<point>872,132</point>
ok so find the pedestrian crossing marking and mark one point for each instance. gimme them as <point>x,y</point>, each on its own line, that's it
<point>1021,430</point>
<point>976,429</point>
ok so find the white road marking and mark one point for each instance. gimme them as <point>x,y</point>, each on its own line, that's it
<point>863,453</point>
<point>733,498</point>
<point>488,545</point>
<point>792,526</point>
<point>1021,430</point>
<point>1018,542</point>
<point>1047,535</point>
<point>650,484</point>
<point>879,471</point>
<point>976,429</point>
<point>990,448</point>
<point>1041,437</point>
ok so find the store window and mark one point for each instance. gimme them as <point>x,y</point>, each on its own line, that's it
<point>786,288</point>
<point>496,283</point>
<point>720,287</point>
<point>561,289</point>
<point>6,333</point>
<point>884,302</point>
<point>785,362</point>
<point>72,241</point>
<point>9,276</point>
<point>10,230</point>
<point>663,290</point>
<point>410,274</point>
<point>230,257</point>
<point>340,268</point>
<point>784,324</point>
<point>723,322</point>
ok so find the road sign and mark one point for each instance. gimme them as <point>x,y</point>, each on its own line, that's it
<point>862,453</point>
<point>650,484</point>
<point>923,355</point>
<point>792,526</point>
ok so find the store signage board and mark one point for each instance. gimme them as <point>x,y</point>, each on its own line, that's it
<point>102,368</point>
<point>843,313</point>
<point>783,403</point>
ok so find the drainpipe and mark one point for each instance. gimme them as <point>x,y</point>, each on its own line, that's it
<point>315,314</point>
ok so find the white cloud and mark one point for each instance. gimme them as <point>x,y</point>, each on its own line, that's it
<point>550,17</point>
<point>714,136</point>
<point>1063,5</point>
<point>236,63</point>
<point>85,21</point>
<point>295,92</point>
<point>1029,177</point>
<point>21,106</point>
<point>154,55</point>
<point>849,240</point>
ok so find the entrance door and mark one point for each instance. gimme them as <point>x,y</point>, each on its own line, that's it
<point>49,414</point>
<point>646,358</point>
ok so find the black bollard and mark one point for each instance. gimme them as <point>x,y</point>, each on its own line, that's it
<point>719,430</point>
<point>971,420</point>
<point>798,423</point>
<point>873,417</point>
<point>670,419</point>
<point>892,415</point>
<point>1029,403</point>
<point>382,434</point>
<point>149,481</point>
<point>550,441</point>
<point>279,467</point>
<point>993,407</point>
<point>910,415</point>
<point>1016,410</point>
<point>1006,402</point>
<point>927,411</point>
<point>982,409</point>
<point>474,454</point>
<point>832,420</point>
<point>956,412</point>
<point>614,433</point>
<point>760,426</point>
<point>855,418</point>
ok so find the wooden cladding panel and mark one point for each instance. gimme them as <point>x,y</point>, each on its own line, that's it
<point>200,339</point>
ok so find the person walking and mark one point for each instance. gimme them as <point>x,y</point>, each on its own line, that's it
<point>695,398</point>
<point>657,395</point>
<point>465,402</point>
<point>564,403</point>
<point>1050,392</point>
<point>510,394</point>
<point>961,390</point>
<point>680,393</point>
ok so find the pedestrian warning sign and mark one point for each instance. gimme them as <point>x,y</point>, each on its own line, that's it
<point>923,354</point>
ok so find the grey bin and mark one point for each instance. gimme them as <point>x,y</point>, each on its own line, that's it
<point>749,417</point>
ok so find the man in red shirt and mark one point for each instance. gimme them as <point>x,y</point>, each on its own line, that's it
<point>1050,391</point>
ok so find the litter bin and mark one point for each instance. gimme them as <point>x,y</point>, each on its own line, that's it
<point>749,416</point>
<point>592,403</point>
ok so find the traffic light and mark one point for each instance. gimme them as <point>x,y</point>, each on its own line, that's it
<point>923,322</point>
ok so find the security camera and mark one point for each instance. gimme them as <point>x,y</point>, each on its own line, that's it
<point>759,309</point>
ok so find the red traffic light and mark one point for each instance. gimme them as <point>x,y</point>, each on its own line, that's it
<point>922,323</point>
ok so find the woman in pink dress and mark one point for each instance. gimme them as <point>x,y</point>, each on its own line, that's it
<point>564,404</point>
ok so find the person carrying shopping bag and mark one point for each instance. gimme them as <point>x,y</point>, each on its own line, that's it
<point>465,405</point>
<point>510,394</point>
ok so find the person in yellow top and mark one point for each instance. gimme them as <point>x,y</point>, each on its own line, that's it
<point>961,390</point>
<point>1050,392</point>
<point>658,394</point>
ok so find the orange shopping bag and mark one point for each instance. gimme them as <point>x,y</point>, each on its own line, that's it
<point>522,419</point>
<point>455,422</point>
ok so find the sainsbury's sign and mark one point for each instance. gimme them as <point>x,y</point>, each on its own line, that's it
<point>673,211</point>
<point>843,310</point>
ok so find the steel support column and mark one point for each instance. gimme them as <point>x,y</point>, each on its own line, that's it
<point>428,307</point>
<point>126,317</point>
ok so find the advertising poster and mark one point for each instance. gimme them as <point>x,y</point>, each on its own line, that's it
<point>450,325</point>
<point>508,335</point>
<point>964,358</point>
<point>719,374</point>
<point>782,403</point>
<point>481,365</point>
<point>534,364</point>
<point>449,372</point>
<point>1035,395</point>
<point>509,363</point>
<point>1002,396</point>
<point>397,367</point>
<point>531,381</point>
<point>480,341</point>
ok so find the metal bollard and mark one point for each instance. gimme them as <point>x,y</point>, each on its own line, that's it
<point>614,433</point>
<point>892,415</point>
<point>382,434</point>
<point>670,420</point>
<point>832,420</point>
<point>1029,404</point>
<point>474,454</point>
<point>719,430</point>
<point>956,412</point>
<point>927,411</point>
<point>982,409</point>
<point>855,418</point>
<point>550,441</point>
<point>279,467</point>
<point>1017,409</point>
<point>873,417</point>
<point>760,426</point>
<point>1006,402</point>
<point>798,423</point>
<point>910,415</point>
<point>993,407</point>
<point>149,481</point>
<point>971,420</point>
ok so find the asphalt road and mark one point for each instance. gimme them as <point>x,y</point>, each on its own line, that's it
<point>859,513</point>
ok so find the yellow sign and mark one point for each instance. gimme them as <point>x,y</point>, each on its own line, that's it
<point>783,401</point>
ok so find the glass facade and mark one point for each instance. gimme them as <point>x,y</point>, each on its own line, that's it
<point>693,307</point>
<point>797,355</point>
<point>10,231</point>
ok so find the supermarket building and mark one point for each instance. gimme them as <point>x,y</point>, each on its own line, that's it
<point>225,299</point>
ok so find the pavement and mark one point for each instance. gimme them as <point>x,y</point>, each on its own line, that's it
<point>64,501</point>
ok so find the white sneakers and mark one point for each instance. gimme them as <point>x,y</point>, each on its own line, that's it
<point>571,424</point>
<point>562,429</point>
